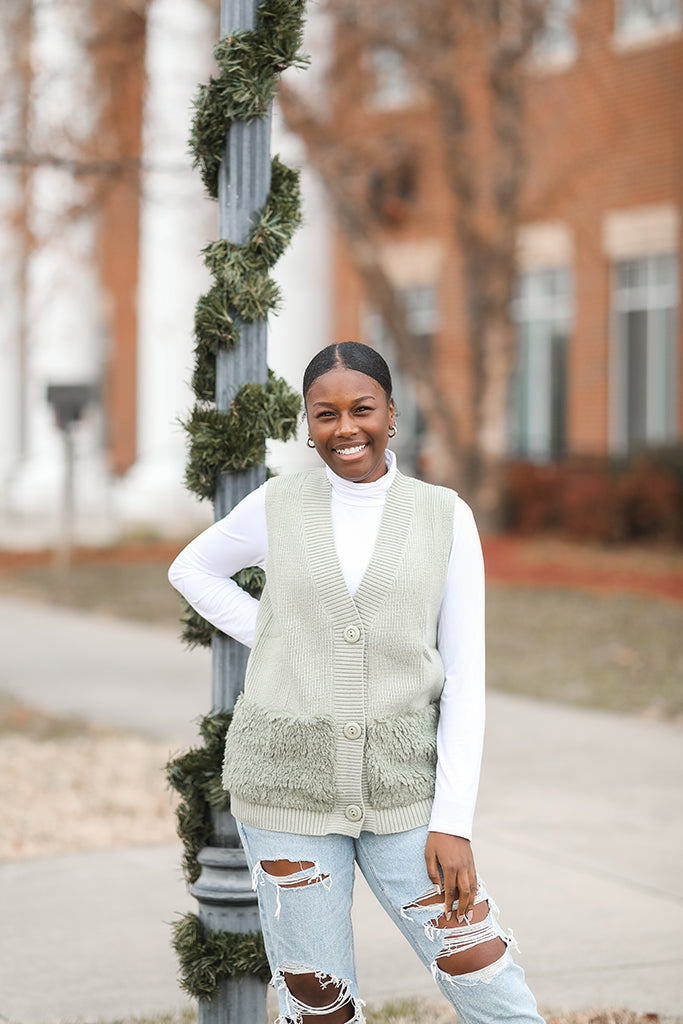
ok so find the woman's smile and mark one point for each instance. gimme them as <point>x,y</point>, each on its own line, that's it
<point>347,451</point>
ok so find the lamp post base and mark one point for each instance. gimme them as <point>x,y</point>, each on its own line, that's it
<point>227,903</point>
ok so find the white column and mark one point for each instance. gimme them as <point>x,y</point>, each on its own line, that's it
<point>177,221</point>
<point>303,325</point>
<point>304,272</point>
<point>12,88</point>
<point>65,328</point>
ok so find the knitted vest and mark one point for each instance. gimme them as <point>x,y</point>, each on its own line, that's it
<point>336,729</point>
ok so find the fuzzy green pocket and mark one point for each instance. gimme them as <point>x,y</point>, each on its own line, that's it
<point>279,760</point>
<point>401,758</point>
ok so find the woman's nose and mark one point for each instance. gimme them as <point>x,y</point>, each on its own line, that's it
<point>346,425</point>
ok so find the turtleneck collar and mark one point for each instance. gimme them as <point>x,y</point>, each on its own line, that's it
<point>374,492</point>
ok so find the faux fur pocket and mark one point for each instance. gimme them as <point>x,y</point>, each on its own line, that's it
<point>401,758</point>
<point>280,760</point>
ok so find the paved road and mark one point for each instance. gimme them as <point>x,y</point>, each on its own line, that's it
<point>579,837</point>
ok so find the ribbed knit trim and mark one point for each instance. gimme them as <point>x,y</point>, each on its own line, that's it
<point>346,611</point>
<point>313,823</point>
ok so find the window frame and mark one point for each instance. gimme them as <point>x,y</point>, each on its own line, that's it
<point>543,327</point>
<point>630,32</point>
<point>393,88</point>
<point>660,416</point>
<point>556,54</point>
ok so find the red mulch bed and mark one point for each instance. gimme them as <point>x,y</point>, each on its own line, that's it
<point>516,560</point>
<point>509,559</point>
<point>162,552</point>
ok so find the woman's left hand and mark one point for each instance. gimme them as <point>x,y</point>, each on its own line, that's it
<point>453,855</point>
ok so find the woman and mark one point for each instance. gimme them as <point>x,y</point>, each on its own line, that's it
<point>359,733</point>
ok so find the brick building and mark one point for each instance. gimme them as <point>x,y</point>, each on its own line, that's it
<point>599,334</point>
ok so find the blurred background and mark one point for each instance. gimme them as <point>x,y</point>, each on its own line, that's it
<point>492,197</point>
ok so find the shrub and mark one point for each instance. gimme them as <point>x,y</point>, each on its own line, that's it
<point>587,504</point>
<point>599,500</point>
<point>531,501</point>
<point>650,501</point>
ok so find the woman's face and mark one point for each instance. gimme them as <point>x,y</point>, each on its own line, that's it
<point>349,418</point>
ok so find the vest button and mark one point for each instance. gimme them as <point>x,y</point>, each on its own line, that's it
<point>352,634</point>
<point>352,730</point>
<point>353,812</point>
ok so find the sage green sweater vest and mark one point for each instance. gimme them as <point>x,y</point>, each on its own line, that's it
<point>336,729</point>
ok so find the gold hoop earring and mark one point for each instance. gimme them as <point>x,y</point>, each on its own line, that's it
<point>393,431</point>
<point>310,443</point>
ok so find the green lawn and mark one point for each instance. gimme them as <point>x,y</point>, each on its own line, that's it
<point>622,652</point>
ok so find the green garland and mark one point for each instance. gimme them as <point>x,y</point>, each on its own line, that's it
<point>236,440</point>
<point>250,63</point>
<point>242,291</point>
<point>206,958</point>
<point>196,776</point>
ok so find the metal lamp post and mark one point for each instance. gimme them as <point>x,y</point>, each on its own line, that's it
<point>69,402</point>
<point>223,890</point>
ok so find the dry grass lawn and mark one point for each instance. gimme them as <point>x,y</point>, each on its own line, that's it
<point>424,1012</point>
<point>620,651</point>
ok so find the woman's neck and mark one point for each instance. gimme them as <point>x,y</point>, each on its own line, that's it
<point>349,490</point>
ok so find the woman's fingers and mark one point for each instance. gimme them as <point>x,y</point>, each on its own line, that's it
<point>432,863</point>
<point>451,892</point>
<point>453,856</point>
<point>467,891</point>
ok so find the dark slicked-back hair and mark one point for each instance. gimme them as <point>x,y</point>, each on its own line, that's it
<point>353,356</point>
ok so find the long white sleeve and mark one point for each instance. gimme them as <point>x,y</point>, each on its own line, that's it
<point>202,570</point>
<point>460,642</point>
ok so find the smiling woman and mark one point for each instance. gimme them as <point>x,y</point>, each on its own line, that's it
<point>350,420</point>
<point>358,736</point>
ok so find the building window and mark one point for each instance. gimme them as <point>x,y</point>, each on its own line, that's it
<point>645,304</point>
<point>642,19</point>
<point>543,313</point>
<point>393,87</point>
<point>557,42</point>
<point>422,315</point>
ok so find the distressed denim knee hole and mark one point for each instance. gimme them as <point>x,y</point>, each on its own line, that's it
<point>304,873</point>
<point>291,874</point>
<point>309,998</point>
<point>482,976</point>
<point>433,897</point>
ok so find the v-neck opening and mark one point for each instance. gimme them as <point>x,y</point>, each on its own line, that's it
<point>386,554</point>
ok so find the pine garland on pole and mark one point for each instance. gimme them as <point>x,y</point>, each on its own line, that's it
<point>228,436</point>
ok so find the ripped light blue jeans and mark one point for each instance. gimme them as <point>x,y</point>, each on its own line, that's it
<point>306,922</point>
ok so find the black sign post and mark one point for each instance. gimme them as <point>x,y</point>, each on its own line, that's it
<point>69,402</point>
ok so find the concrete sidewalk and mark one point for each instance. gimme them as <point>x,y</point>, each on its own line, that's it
<point>579,836</point>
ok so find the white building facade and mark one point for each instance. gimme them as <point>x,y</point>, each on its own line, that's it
<point>54,331</point>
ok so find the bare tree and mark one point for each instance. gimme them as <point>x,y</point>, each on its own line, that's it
<point>468,60</point>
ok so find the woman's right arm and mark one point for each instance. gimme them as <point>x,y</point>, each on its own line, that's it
<point>202,570</point>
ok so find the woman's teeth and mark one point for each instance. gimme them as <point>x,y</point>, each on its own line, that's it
<point>351,451</point>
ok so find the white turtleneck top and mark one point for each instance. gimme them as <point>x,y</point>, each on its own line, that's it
<point>202,572</point>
